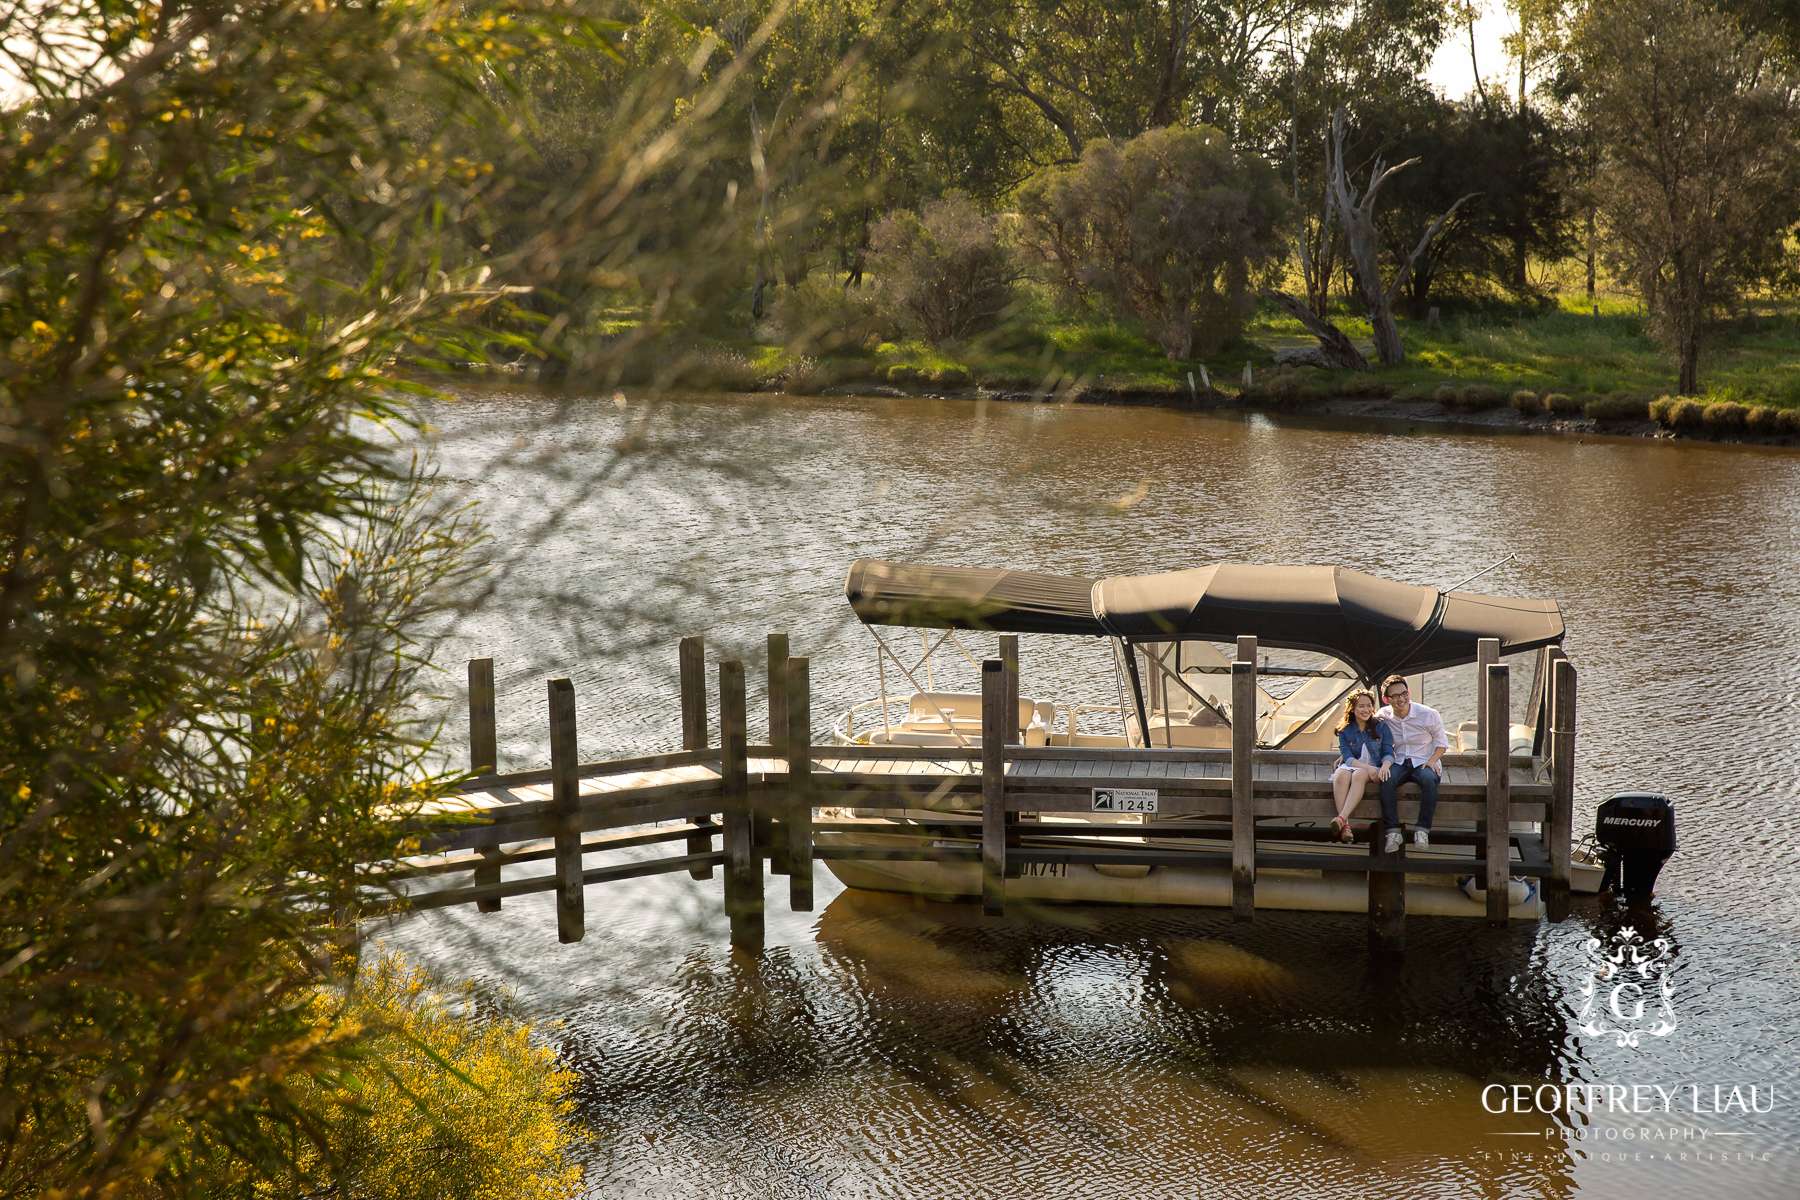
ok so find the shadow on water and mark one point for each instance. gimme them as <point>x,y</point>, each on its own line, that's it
<point>926,1049</point>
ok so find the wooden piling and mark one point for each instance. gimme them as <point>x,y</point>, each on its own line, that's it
<point>1559,825</point>
<point>778,713</point>
<point>770,835</point>
<point>484,759</point>
<point>1487,653</point>
<point>1243,803</point>
<point>1494,690</point>
<point>743,866</point>
<point>565,806</point>
<point>693,692</point>
<point>1387,900</point>
<point>1009,674</point>
<point>799,820</point>
<point>993,788</point>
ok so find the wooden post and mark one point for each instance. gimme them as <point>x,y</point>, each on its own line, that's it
<point>993,788</point>
<point>484,759</point>
<point>778,712</point>
<point>1387,902</point>
<point>693,692</point>
<point>1243,788</point>
<point>1487,653</point>
<point>1009,674</point>
<point>743,866</point>
<point>1559,828</point>
<point>800,798</point>
<point>769,835</point>
<point>1499,791</point>
<point>565,806</point>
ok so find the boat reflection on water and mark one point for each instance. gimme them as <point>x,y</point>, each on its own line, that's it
<point>1151,1037</point>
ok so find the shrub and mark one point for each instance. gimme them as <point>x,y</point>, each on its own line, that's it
<point>1363,387</point>
<point>1169,226</point>
<point>406,1127</point>
<point>1787,421</point>
<point>1727,416</point>
<point>1478,396</point>
<point>1527,403</point>
<point>1762,420</point>
<point>945,271</point>
<point>900,376</point>
<point>1662,410</point>
<point>1687,414</point>
<point>1445,395</point>
<point>1622,407</point>
<point>1279,391</point>
<point>1559,405</point>
<point>818,317</point>
<point>951,377</point>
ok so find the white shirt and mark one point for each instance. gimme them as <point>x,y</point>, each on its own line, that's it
<point>1416,735</point>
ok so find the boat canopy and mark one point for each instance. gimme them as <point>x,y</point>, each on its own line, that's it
<point>1380,626</point>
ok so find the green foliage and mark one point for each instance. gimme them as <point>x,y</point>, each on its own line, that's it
<point>1169,226</point>
<point>1613,408</point>
<point>444,1098</point>
<point>1526,404</point>
<point>945,271</point>
<point>1726,416</point>
<point>819,317</point>
<point>1702,174</point>
<point>214,568</point>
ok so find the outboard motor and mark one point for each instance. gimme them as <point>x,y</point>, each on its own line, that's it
<point>1636,832</point>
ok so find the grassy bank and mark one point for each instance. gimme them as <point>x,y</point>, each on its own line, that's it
<point>1554,362</point>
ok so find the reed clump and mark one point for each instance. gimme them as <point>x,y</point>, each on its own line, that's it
<point>1478,397</point>
<point>1763,420</point>
<point>1527,403</point>
<point>1559,405</point>
<point>1725,416</point>
<point>1620,407</point>
<point>1445,395</point>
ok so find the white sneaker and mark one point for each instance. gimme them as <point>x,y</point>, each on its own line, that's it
<point>1421,837</point>
<point>1393,841</point>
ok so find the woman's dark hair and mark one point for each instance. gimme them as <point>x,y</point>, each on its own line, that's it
<point>1349,717</point>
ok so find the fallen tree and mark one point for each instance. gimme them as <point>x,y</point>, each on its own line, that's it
<point>1334,351</point>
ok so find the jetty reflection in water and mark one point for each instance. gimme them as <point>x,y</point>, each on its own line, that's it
<point>883,1048</point>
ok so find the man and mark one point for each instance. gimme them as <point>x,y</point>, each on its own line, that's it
<point>1419,743</point>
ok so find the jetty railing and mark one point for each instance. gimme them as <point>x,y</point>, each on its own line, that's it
<point>760,802</point>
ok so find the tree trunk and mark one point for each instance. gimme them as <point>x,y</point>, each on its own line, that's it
<point>1338,350</point>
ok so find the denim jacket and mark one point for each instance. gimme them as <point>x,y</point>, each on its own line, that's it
<point>1352,739</point>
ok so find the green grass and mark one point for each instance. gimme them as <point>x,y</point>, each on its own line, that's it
<point>1561,349</point>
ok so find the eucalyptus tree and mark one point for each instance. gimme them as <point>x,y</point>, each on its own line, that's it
<point>1700,182</point>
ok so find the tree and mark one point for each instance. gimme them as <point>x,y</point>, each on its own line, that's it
<point>1356,213</point>
<point>1700,168</point>
<point>945,269</point>
<point>1169,226</point>
<point>215,569</point>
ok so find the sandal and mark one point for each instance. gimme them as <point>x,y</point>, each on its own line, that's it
<point>1345,833</point>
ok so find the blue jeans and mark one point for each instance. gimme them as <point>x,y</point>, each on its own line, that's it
<point>1425,777</point>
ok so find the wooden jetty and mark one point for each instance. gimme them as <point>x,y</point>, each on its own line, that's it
<point>733,805</point>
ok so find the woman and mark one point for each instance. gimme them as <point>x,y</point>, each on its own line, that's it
<point>1365,752</point>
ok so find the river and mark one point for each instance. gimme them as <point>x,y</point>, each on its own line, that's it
<point>887,1048</point>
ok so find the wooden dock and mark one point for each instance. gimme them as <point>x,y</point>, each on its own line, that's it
<point>733,806</point>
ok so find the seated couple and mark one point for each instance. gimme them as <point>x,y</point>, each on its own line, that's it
<point>1397,743</point>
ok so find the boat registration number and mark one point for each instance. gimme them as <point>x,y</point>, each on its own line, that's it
<point>1125,800</point>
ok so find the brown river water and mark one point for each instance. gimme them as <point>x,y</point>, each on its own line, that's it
<point>888,1048</point>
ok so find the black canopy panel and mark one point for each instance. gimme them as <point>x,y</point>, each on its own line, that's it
<point>890,593</point>
<point>1380,626</point>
